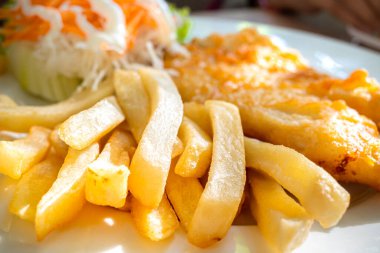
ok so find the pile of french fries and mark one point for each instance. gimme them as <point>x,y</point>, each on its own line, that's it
<point>133,145</point>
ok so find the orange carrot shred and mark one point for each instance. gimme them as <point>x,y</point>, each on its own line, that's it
<point>19,26</point>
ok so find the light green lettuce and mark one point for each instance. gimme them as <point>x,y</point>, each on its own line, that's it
<point>183,22</point>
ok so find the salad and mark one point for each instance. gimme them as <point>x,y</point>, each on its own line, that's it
<point>55,46</point>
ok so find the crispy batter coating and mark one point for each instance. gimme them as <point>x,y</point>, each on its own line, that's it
<point>284,101</point>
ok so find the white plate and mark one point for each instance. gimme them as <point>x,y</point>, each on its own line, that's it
<point>103,230</point>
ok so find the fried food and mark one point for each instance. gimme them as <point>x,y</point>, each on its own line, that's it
<point>107,176</point>
<point>317,191</point>
<point>151,161</point>
<point>222,66</point>
<point>20,155</point>
<point>358,90</point>
<point>33,185</point>
<point>11,136</point>
<point>133,100</point>
<point>88,126</point>
<point>196,157</point>
<point>273,89</point>
<point>283,222</point>
<point>177,148</point>
<point>184,194</point>
<point>281,100</point>
<point>21,118</point>
<point>220,200</point>
<point>59,146</point>
<point>198,113</point>
<point>66,197</point>
<point>154,223</point>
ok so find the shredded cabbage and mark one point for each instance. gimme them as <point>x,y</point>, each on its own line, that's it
<point>95,57</point>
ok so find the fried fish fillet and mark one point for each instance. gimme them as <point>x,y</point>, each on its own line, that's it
<point>359,91</point>
<point>284,101</point>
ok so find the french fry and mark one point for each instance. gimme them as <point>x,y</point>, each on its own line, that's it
<point>33,185</point>
<point>154,223</point>
<point>22,118</point>
<point>198,113</point>
<point>317,191</point>
<point>223,192</point>
<point>282,221</point>
<point>11,136</point>
<point>151,161</point>
<point>196,157</point>
<point>184,194</point>
<point>177,148</point>
<point>66,197</point>
<point>127,207</point>
<point>88,126</point>
<point>60,147</point>
<point>134,101</point>
<point>6,101</point>
<point>107,176</point>
<point>242,202</point>
<point>17,156</point>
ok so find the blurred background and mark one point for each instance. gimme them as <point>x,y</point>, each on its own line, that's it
<point>354,21</point>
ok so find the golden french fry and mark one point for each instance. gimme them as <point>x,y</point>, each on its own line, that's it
<point>133,100</point>
<point>242,202</point>
<point>127,207</point>
<point>223,192</point>
<point>282,221</point>
<point>60,147</point>
<point>21,118</point>
<point>123,126</point>
<point>198,113</point>
<point>196,157</point>
<point>107,176</point>
<point>33,185</point>
<point>66,197</point>
<point>177,148</point>
<point>6,101</point>
<point>11,136</point>
<point>184,194</point>
<point>16,157</point>
<point>317,191</point>
<point>88,126</point>
<point>151,161</point>
<point>154,223</point>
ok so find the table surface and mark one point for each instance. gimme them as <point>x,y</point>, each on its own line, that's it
<point>321,23</point>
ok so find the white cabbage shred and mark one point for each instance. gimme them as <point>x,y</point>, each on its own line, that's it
<point>102,51</point>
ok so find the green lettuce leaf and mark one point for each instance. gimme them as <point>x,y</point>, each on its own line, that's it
<point>183,22</point>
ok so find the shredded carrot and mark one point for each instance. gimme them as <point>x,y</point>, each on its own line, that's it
<point>69,24</point>
<point>136,16</point>
<point>19,26</point>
